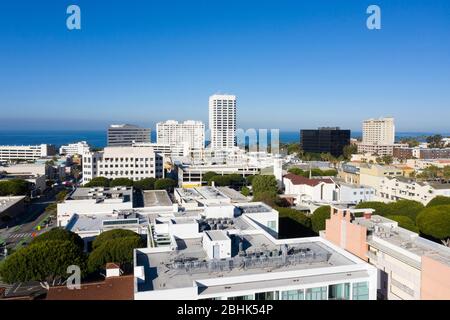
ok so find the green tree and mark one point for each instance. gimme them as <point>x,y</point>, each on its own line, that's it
<point>298,172</point>
<point>245,191</point>
<point>439,201</point>
<point>145,184</point>
<point>42,261</point>
<point>98,182</point>
<point>60,234</point>
<point>113,234</point>
<point>387,159</point>
<point>119,250</point>
<point>249,179</point>
<point>318,218</point>
<point>408,208</point>
<point>268,197</point>
<point>294,224</point>
<point>435,141</point>
<point>349,150</point>
<point>405,222</point>
<point>61,196</point>
<point>381,208</point>
<point>208,175</point>
<point>121,182</point>
<point>165,184</point>
<point>14,187</point>
<point>446,172</point>
<point>262,183</point>
<point>294,148</point>
<point>435,222</point>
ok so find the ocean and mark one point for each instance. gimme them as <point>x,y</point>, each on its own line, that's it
<point>97,138</point>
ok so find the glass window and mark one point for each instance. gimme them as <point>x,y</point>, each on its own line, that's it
<point>361,291</point>
<point>293,295</point>
<point>266,295</point>
<point>272,225</point>
<point>248,297</point>
<point>339,291</point>
<point>319,293</point>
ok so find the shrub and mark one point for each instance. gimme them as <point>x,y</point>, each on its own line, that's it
<point>118,250</point>
<point>121,182</point>
<point>98,182</point>
<point>439,201</point>
<point>435,222</point>
<point>113,234</point>
<point>165,184</point>
<point>60,234</point>
<point>145,184</point>
<point>42,261</point>
<point>318,218</point>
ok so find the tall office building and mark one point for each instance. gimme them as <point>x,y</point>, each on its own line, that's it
<point>188,136</point>
<point>123,135</point>
<point>325,140</point>
<point>222,121</point>
<point>379,131</point>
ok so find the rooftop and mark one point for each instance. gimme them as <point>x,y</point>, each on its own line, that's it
<point>6,202</point>
<point>99,193</point>
<point>113,288</point>
<point>383,228</point>
<point>259,255</point>
<point>234,195</point>
<point>299,180</point>
<point>156,198</point>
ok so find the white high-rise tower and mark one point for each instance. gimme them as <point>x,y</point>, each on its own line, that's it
<point>222,121</point>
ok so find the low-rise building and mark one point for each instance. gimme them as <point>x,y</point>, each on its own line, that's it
<point>325,191</point>
<point>192,175</point>
<point>398,188</point>
<point>33,152</point>
<point>94,201</point>
<point>409,267</point>
<point>379,149</point>
<point>78,148</point>
<point>135,163</point>
<point>235,255</point>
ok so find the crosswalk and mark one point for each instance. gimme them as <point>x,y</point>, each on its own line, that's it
<point>20,235</point>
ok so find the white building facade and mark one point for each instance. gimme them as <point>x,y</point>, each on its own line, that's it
<point>189,136</point>
<point>135,163</point>
<point>222,121</point>
<point>32,152</point>
<point>77,148</point>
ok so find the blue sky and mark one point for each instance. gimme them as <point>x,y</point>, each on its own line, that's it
<point>293,64</point>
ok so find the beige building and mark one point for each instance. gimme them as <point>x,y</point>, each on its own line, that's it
<point>372,174</point>
<point>409,267</point>
<point>379,131</point>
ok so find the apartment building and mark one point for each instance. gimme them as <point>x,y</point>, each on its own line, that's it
<point>231,252</point>
<point>187,136</point>
<point>379,131</point>
<point>33,152</point>
<point>135,163</point>
<point>222,121</point>
<point>192,175</point>
<point>372,174</point>
<point>124,135</point>
<point>325,191</point>
<point>398,188</point>
<point>78,148</point>
<point>409,267</point>
<point>379,149</point>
